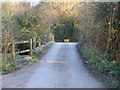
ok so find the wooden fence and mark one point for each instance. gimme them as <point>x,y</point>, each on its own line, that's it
<point>34,43</point>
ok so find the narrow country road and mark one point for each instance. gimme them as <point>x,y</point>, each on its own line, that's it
<point>60,67</point>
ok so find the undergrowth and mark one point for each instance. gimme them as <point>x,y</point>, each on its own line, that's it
<point>13,66</point>
<point>102,65</point>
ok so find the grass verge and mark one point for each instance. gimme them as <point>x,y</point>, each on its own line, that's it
<point>104,69</point>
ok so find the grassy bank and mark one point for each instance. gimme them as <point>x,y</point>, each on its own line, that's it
<point>100,65</point>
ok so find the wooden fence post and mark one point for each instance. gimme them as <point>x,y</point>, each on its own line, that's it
<point>39,43</point>
<point>31,53</point>
<point>52,38</point>
<point>34,43</point>
<point>13,50</point>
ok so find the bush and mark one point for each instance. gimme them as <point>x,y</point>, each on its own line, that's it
<point>94,61</point>
<point>13,64</point>
<point>41,52</point>
<point>6,67</point>
<point>33,59</point>
<point>110,68</point>
<point>103,64</point>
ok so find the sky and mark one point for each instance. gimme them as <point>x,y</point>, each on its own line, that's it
<point>60,0</point>
<point>20,0</point>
